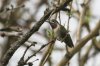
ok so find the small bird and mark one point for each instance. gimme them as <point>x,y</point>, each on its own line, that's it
<point>61,33</point>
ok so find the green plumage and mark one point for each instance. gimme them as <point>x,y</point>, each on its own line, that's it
<point>61,33</point>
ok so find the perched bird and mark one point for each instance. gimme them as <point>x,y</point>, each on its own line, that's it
<point>61,33</point>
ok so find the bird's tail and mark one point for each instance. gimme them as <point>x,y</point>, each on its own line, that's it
<point>69,41</point>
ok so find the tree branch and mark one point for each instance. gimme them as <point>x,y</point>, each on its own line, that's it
<point>35,28</point>
<point>47,54</point>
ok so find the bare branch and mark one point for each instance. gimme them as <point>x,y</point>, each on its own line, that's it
<point>47,54</point>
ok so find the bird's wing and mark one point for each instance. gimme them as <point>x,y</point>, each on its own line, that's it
<point>68,40</point>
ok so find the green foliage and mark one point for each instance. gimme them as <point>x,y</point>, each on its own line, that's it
<point>50,33</point>
<point>88,16</point>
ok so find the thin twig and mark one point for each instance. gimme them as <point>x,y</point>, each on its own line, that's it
<point>3,34</point>
<point>59,17</point>
<point>59,12</point>
<point>21,61</point>
<point>12,28</point>
<point>38,51</point>
<point>85,57</point>
<point>69,16</point>
<point>79,30</point>
<point>47,54</point>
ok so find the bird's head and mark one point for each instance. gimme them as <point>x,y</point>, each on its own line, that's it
<point>53,23</point>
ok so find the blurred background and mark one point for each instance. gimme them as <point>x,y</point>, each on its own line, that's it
<point>17,17</point>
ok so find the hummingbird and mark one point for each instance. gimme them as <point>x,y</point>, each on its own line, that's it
<point>61,33</point>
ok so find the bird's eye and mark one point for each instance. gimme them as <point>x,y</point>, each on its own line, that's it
<point>53,22</point>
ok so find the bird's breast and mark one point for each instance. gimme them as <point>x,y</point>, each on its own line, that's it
<point>57,32</point>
